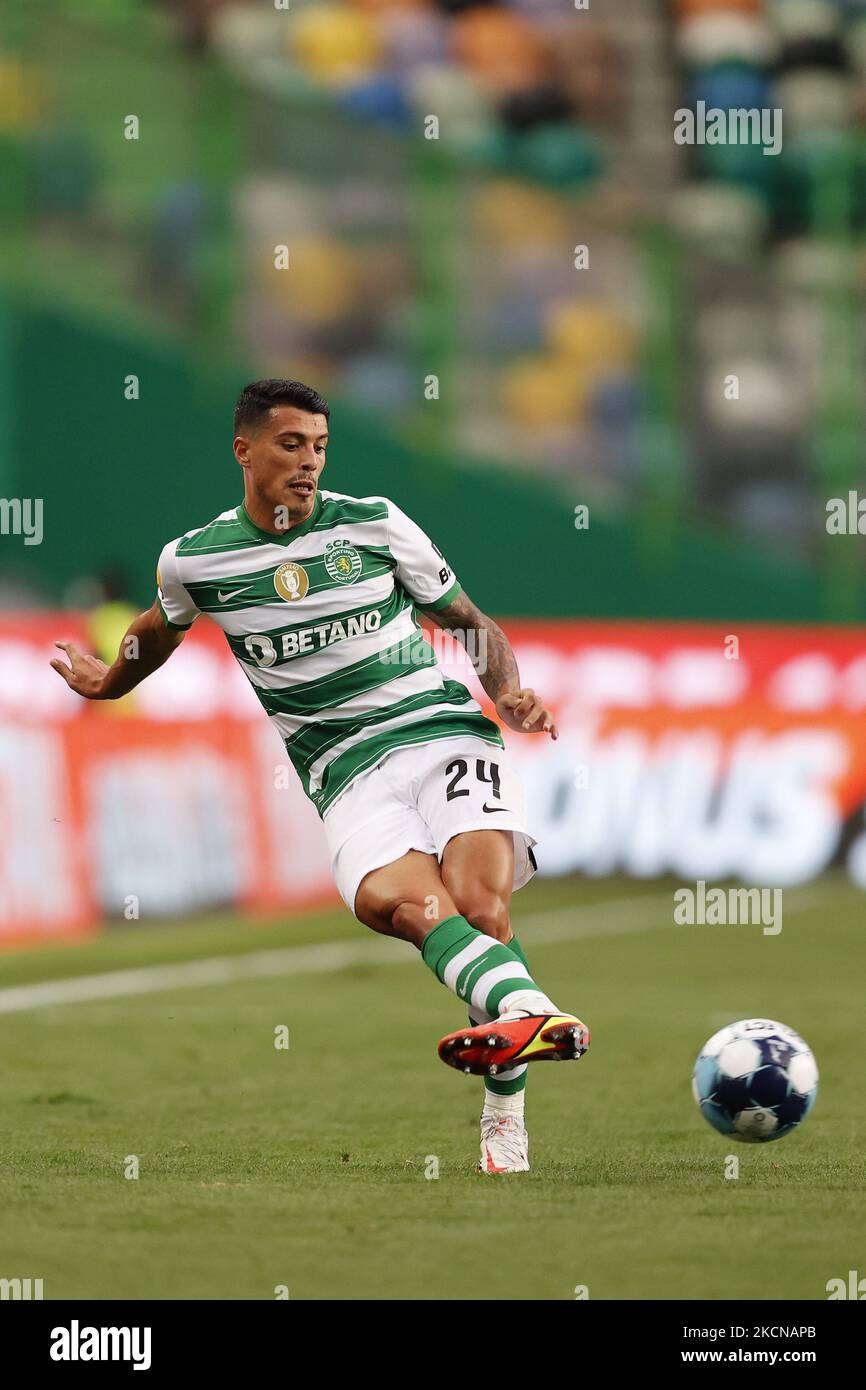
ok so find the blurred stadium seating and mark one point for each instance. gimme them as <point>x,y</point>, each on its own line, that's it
<point>455,256</point>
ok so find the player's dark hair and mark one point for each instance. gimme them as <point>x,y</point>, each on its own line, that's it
<point>258,397</point>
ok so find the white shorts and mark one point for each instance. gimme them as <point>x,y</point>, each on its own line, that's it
<point>420,798</point>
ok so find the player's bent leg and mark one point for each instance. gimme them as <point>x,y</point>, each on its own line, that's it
<point>407,898</point>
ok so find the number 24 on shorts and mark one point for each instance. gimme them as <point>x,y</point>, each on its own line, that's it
<point>460,769</point>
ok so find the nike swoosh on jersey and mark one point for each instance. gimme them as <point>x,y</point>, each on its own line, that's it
<point>224,598</point>
<point>490,809</point>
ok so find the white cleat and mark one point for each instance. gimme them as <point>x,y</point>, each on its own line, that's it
<point>504,1145</point>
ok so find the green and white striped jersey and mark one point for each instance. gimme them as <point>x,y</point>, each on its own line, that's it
<point>323,623</point>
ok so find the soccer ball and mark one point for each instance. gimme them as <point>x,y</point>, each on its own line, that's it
<point>755,1080</point>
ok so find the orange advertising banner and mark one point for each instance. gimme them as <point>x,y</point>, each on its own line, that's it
<point>684,750</point>
<point>134,819</point>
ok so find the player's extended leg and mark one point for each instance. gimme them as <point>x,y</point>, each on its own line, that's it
<point>478,871</point>
<point>407,898</point>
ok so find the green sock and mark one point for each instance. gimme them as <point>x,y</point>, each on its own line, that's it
<point>512,1081</point>
<point>518,950</point>
<point>506,1083</point>
<point>480,970</point>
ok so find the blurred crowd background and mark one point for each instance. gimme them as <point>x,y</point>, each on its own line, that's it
<point>459,256</point>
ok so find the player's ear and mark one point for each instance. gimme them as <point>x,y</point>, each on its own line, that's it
<point>242,451</point>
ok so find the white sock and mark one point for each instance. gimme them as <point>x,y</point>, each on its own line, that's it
<point>530,1000</point>
<point>497,1106</point>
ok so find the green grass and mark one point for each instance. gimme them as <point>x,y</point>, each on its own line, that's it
<point>306,1167</point>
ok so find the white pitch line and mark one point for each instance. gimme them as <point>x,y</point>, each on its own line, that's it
<point>622,915</point>
<point>217,970</point>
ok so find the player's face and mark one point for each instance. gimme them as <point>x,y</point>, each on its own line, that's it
<point>282,461</point>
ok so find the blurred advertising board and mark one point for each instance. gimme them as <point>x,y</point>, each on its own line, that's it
<point>683,749</point>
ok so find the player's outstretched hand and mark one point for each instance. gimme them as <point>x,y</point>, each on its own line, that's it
<point>523,711</point>
<point>84,674</point>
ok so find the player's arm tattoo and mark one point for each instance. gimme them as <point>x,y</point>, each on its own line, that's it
<point>492,656</point>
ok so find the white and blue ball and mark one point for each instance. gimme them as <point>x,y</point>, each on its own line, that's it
<point>755,1080</point>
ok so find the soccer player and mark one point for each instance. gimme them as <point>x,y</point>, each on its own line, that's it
<point>317,594</point>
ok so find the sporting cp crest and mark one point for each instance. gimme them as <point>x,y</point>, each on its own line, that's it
<point>342,562</point>
<point>291,582</point>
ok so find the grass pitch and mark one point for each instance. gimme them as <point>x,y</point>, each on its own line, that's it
<point>305,1168</point>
